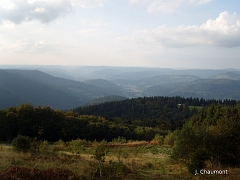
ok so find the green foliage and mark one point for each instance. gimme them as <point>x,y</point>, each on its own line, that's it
<point>105,99</point>
<point>158,139</point>
<point>138,119</point>
<point>44,147</point>
<point>78,145</point>
<point>119,140</point>
<point>186,143</point>
<point>169,139</point>
<point>216,130</point>
<point>100,151</point>
<point>99,155</point>
<point>115,169</point>
<point>144,111</point>
<point>198,160</point>
<point>122,154</point>
<point>21,144</point>
<point>35,144</point>
<point>60,142</point>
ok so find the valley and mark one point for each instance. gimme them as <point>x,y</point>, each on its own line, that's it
<point>67,87</point>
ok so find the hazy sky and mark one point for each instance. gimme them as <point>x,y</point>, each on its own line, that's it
<point>155,33</point>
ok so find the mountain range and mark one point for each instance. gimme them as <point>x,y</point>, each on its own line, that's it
<point>68,87</point>
<point>38,88</point>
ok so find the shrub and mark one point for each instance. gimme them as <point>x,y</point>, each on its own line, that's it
<point>198,159</point>
<point>78,145</point>
<point>99,155</point>
<point>115,170</point>
<point>44,147</point>
<point>119,140</point>
<point>60,145</point>
<point>21,144</point>
<point>169,139</point>
<point>35,145</point>
<point>158,139</point>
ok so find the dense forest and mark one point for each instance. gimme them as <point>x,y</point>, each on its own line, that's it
<point>151,111</point>
<point>137,119</point>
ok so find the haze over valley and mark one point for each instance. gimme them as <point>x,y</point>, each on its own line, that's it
<point>67,87</point>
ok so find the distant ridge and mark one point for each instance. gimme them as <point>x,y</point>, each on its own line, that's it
<point>105,99</point>
<point>227,75</point>
<point>84,84</point>
<point>202,88</point>
<point>16,89</point>
<point>38,88</point>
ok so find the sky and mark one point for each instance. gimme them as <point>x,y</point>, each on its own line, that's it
<point>202,34</point>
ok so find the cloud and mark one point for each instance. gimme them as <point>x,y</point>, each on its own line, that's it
<point>88,32</point>
<point>44,11</point>
<point>1,45</point>
<point>199,2</point>
<point>30,46</point>
<point>223,31</point>
<point>166,6</point>
<point>88,3</point>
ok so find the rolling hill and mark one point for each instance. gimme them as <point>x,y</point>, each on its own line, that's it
<point>202,88</point>
<point>108,87</point>
<point>38,88</point>
<point>227,75</point>
<point>16,89</point>
<point>102,83</point>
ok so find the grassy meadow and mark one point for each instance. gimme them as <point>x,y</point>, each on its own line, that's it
<point>77,160</point>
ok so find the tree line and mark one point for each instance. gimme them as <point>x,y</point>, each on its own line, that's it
<point>45,123</point>
<point>139,119</point>
<point>151,111</point>
<point>147,117</point>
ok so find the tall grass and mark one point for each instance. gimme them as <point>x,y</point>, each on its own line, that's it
<point>127,160</point>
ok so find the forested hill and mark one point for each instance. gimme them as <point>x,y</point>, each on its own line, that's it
<point>137,119</point>
<point>150,111</point>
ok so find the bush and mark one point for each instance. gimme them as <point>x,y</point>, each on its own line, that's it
<point>21,144</point>
<point>120,140</point>
<point>78,145</point>
<point>158,139</point>
<point>44,147</point>
<point>169,139</point>
<point>115,170</point>
<point>99,155</point>
<point>198,159</point>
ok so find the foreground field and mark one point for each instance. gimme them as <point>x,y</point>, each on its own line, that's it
<point>75,160</point>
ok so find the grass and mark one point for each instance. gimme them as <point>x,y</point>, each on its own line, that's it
<point>134,160</point>
<point>199,108</point>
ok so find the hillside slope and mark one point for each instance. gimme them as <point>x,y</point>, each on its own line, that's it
<point>15,90</point>
<point>38,88</point>
<point>202,88</point>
